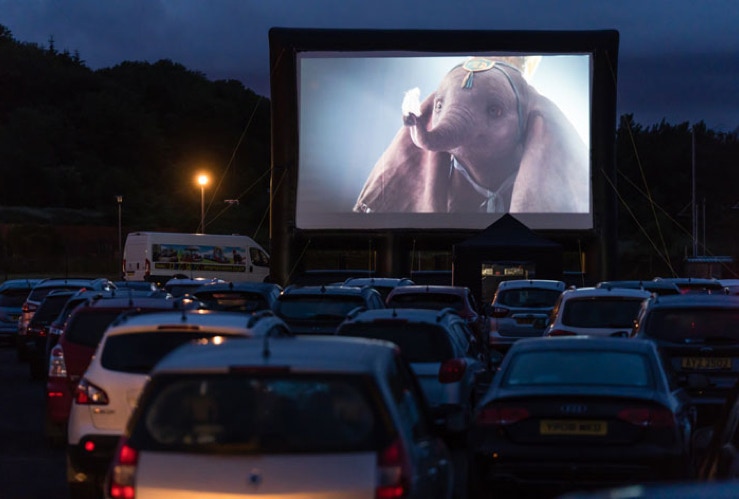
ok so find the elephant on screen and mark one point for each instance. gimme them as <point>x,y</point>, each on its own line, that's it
<point>484,141</point>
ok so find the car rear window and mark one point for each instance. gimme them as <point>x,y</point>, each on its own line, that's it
<point>429,301</point>
<point>317,306</point>
<point>87,328</point>
<point>238,301</point>
<point>249,413</point>
<point>601,312</point>
<point>50,308</point>
<point>138,352</point>
<point>38,294</point>
<point>579,367</point>
<point>529,297</point>
<point>699,325</point>
<point>417,342</point>
<point>13,297</point>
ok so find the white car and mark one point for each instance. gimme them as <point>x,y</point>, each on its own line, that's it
<point>520,309</point>
<point>596,312</point>
<point>108,391</point>
<point>307,417</point>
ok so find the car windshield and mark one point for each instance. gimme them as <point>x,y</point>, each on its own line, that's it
<point>693,325</point>
<point>262,414</point>
<point>317,306</point>
<point>601,312</point>
<point>429,301</point>
<point>579,367</point>
<point>529,298</point>
<point>417,342</point>
<point>138,352</point>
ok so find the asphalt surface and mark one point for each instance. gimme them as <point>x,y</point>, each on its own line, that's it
<point>29,469</point>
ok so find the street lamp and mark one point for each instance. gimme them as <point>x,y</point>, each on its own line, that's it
<point>119,200</point>
<point>202,181</point>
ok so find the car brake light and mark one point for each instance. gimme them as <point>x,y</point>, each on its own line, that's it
<point>652,417</point>
<point>499,312</point>
<point>452,370</point>
<point>501,416</point>
<point>123,471</point>
<point>57,367</point>
<point>28,307</point>
<point>560,332</point>
<point>88,394</point>
<point>392,472</point>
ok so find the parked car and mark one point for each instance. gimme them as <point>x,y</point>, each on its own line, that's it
<point>596,312</point>
<point>584,410</point>
<point>13,293</point>
<point>320,309</point>
<point>438,297</point>
<point>698,338</point>
<point>382,284</point>
<point>239,296</point>
<point>71,355</point>
<point>520,309</point>
<point>108,391</point>
<point>39,292</point>
<point>660,287</point>
<point>37,330</point>
<point>179,286</point>
<point>309,417</point>
<point>441,350</point>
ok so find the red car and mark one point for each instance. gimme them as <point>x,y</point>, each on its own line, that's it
<point>69,358</point>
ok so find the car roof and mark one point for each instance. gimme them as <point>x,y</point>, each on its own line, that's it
<point>696,301</point>
<point>592,292</point>
<point>532,283</point>
<point>639,284</point>
<point>306,353</point>
<point>234,322</point>
<point>125,302</point>
<point>582,342</point>
<point>296,289</point>
<point>63,281</point>
<point>19,284</point>
<point>194,280</point>
<point>260,287</point>
<point>430,288</point>
<point>378,281</point>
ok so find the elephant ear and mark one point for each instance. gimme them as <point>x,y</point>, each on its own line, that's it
<point>406,178</point>
<point>553,175</point>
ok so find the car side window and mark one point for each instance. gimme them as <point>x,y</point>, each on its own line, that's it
<point>407,399</point>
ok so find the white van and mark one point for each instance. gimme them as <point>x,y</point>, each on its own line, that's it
<point>160,256</point>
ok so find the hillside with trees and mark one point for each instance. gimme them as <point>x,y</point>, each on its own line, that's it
<point>72,139</point>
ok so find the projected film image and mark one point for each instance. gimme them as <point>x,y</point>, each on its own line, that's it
<point>419,141</point>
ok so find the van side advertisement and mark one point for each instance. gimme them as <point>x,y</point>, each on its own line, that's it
<point>199,257</point>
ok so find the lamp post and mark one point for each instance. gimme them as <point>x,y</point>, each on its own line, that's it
<point>202,181</point>
<point>119,200</point>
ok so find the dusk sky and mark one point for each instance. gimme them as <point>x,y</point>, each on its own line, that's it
<point>678,59</point>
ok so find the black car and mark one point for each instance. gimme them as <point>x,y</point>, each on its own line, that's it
<point>584,410</point>
<point>698,339</point>
<point>37,330</point>
<point>239,296</point>
<point>320,309</point>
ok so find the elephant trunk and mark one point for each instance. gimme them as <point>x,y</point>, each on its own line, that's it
<point>439,138</point>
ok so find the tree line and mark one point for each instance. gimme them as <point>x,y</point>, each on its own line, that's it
<point>73,139</point>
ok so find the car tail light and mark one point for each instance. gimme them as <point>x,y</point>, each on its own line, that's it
<point>122,483</point>
<point>88,394</point>
<point>560,332</point>
<point>392,472</point>
<point>57,367</point>
<point>651,417</point>
<point>501,415</point>
<point>28,307</point>
<point>499,312</point>
<point>452,370</point>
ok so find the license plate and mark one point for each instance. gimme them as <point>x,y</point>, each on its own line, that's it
<point>708,363</point>
<point>573,427</point>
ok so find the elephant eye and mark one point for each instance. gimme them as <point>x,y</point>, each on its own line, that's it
<point>437,106</point>
<point>495,111</point>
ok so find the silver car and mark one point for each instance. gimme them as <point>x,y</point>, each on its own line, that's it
<point>305,417</point>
